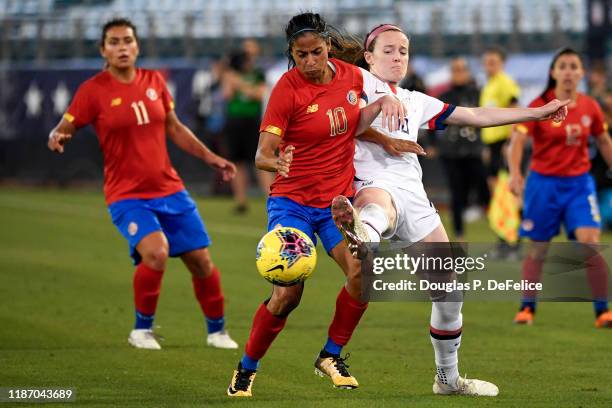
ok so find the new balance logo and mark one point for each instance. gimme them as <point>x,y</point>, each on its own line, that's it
<point>312,108</point>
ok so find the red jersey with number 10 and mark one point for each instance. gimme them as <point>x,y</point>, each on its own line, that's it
<point>320,121</point>
<point>130,121</point>
<point>561,149</point>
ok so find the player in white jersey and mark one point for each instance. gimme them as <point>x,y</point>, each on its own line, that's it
<point>390,200</point>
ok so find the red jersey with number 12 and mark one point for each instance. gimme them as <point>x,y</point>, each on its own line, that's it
<point>320,121</point>
<point>130,121</point>
<point>561,149</point>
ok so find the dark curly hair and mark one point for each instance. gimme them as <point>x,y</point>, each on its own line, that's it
<point>343,46</point>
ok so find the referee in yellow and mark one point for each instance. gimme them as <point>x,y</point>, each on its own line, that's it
<point>500,91</point>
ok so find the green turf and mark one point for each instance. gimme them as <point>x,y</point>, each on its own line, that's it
<point>66,310</point>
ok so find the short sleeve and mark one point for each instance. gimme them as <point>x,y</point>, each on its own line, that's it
<point>279,109</point>
<point>598,124</point>
<point>166,97</point>
<point>434,111</point>
<point>84,108</point>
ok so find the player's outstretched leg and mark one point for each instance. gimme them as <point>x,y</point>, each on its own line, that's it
<point>352,229</point>
<point>445,332</point>
<point>349,310</point>
<point>268,322</point>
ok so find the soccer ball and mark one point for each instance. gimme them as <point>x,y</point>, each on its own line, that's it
<point>286,256</point>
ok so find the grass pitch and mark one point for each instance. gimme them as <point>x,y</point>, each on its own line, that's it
<point>66,310</point>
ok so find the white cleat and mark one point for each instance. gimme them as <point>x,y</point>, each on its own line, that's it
<point>222,340</point>
<point>466,387</point>
<point>143,339</point>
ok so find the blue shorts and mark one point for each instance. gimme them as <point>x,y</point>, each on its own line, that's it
<point>175,215</point>
<point>310,220</point>
<point>550,201</point>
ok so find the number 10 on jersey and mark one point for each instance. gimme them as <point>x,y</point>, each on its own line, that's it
<point>337,121</point>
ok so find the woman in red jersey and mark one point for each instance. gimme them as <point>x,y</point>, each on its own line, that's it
<point>315,112</point>
<point>559,189</point>
<point>132,112</point>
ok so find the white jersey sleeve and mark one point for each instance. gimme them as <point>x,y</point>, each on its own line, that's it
<point>434,111</point>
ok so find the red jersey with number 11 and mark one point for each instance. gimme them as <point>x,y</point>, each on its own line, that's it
<point>130,121</point>
<point>320,121</point>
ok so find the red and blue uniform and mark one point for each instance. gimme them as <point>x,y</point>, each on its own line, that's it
<point>320,121</point>
<point>559,189</point>
<point>143,191</point>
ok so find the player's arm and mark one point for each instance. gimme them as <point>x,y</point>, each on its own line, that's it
<point>392,110</point>
<point>604,144</point>
<point>487,116</point>
<point>184,138</point>
<point>515,157</point>
<point>393,146</point>
<point>60,135</point>
<point>266,158</point>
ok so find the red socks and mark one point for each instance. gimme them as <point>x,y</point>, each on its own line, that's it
<point>147,283</point>
<point>532,272</point>
<point>209,294</point>
<point>347,316</point>
<point>265,328</point>
<point>597,274</point>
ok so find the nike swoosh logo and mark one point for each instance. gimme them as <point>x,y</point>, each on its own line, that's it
<point>380,92</point>
<point>281,267</point>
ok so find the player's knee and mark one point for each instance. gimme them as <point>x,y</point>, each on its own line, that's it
<point>156,257</point>
<point>283,303</point>
<point>203,267</point>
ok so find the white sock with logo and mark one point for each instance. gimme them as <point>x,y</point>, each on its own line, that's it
<point>445,332</point>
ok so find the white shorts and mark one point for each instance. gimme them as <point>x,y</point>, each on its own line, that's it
<point>416,215</point>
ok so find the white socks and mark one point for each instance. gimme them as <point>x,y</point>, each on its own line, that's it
<point>446,322</point>
<point>374,220</point>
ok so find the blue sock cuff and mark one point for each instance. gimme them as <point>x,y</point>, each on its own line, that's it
<point>215,325</point>
<point>600,306</point>
<point>332,348</point>
<point>143,321</point>
<point>248,363</point>
<point>529,303</point>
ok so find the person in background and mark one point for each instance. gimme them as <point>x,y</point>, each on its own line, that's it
<point>460,148</point>
<point>500,91</point>
<point>133,114</point>
<point>559,189</point>
<point>244,89</point>
<point>412,81</point>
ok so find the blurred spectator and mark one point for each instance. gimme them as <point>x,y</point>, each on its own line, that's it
<point>597,83</point>
<point>500,91</point>
<point>460,148</point>
<point>412,81</point>
<point>244,88</point>
<point>210,113</point>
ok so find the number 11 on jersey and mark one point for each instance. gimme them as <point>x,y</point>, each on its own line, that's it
<point>142,116</point>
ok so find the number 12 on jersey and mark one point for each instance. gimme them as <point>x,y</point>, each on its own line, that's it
<point>142,116</point>
<point>337,121</point>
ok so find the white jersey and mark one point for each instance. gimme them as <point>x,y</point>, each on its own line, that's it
<point>422,111</point>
